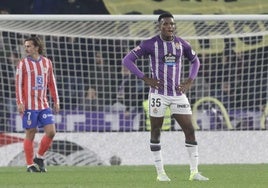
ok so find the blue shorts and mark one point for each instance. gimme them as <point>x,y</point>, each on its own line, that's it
<point>37,118</point>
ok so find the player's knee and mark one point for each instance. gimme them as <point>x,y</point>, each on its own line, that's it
<point>50,130</point>
<point>190,135</point>
<point>50,133</point>
<point>30,133</point>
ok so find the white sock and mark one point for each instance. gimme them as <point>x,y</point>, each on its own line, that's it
<point>158,161</point>
<point>193,156</point>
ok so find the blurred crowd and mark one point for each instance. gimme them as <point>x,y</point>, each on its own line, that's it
<point>52,7</point>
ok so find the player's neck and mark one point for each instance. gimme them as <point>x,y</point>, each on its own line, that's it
<point>167,38</point>
<point>35,57</point>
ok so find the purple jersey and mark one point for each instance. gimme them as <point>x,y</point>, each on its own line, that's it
<point>166,61</point>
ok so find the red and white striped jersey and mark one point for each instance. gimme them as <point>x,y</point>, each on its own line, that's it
<point>33,79</point>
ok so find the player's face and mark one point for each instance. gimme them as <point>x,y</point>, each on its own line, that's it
<point>167,27</point>
<point>30,49</point>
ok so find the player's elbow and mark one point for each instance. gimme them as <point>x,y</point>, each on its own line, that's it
<point>129,58</point>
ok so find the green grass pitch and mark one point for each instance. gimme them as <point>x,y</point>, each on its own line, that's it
<point>221,176</point>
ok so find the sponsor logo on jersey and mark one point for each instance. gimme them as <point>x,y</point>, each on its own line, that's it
<point>170,59</point>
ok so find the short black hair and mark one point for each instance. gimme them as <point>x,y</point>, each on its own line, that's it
<point>165,15</point>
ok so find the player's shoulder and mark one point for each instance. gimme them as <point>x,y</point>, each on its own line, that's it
<point>183,42</point>
<point>156,37</point>
<point>147,43</point>
<point>22,61</point>
<point>151,39</point>
<point>46,59</point>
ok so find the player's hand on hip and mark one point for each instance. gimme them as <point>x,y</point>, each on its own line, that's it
<point>185,86</point>
<point>154,83</point>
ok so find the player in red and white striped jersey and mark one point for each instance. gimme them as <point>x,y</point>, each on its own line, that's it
<point>34,77</point>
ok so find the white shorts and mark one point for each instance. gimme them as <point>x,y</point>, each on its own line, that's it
<point>177,104</point>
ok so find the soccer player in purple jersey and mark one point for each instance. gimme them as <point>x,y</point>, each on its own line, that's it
<point>167,90</point>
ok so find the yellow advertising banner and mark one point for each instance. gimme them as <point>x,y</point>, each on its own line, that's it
<point>187,6</point>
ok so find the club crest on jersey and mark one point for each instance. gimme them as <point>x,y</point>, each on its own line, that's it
<point>178,45</point>
<point>45,70</point>
<point>169,59</point>
<point>193,52</point>
<point>39,80</point>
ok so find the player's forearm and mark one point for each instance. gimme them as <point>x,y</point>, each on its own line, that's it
<point>53,88</point>
<point>18,90</point>
<point>54,93</point>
